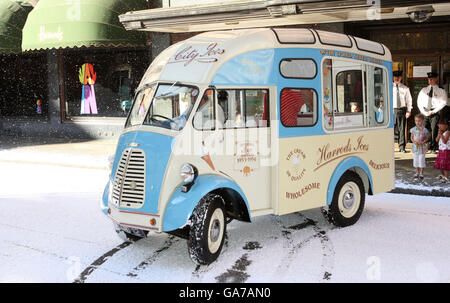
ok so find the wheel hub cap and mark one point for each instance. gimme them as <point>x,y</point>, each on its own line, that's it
<point>349,199</point>
<point>215,231</point>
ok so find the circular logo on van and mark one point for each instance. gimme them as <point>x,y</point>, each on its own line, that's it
<point>295,171</point>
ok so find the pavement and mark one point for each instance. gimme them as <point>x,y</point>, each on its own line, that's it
<point>94,154</point>
<point>406,183</point>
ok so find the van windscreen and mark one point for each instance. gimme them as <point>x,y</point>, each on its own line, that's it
<point>171,106</point>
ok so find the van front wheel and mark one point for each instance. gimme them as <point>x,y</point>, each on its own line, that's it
<point>348,201</point>
<point>207,230</point>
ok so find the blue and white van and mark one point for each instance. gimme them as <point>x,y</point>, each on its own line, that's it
<point>238,124</point>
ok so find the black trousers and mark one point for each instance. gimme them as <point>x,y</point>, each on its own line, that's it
<point>445,113</point>
<point>431,123</point>
<point>400,125</point>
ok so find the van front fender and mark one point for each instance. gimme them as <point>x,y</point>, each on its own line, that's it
<point>181,205</point>
<point>105,198</point>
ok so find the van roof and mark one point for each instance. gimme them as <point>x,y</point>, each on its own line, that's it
<point>218,47</point>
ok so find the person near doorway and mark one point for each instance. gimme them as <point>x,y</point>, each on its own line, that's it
<point>419,138</point>
<point>431,100</point>
<point>443,157</point>
<point>402,108</point>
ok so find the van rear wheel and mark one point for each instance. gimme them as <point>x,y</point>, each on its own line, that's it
<point>348,201</point>
<point>207,230</point>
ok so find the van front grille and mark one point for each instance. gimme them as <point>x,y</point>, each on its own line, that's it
<point>129,181</point>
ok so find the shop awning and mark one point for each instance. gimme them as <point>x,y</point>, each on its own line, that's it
<point>13,14</point>
<point>264,13</point>
<point>78,23</point>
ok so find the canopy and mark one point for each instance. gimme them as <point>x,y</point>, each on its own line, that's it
<point>13,14</point>
<point>78,23</point>
<point>235,14</point>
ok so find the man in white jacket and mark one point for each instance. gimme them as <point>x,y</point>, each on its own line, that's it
<point>431,100</point>
<point>402,102</point>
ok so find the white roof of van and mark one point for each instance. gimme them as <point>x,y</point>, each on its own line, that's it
<point>197,59</point>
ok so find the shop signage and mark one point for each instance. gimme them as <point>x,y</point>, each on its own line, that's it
<point>44,35</point>
<point>421,71</point>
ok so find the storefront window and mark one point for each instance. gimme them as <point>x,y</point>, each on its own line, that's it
<point>101,83</point>
<point>23,89</point>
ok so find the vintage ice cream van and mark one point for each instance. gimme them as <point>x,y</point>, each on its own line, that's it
<point>238,124</point>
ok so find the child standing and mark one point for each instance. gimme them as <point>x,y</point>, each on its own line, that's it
<point>419,137</point>
<point>443,157</point>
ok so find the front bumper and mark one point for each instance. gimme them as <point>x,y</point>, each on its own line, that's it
<point>132,219</point>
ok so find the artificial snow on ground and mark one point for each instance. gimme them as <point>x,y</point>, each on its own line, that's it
<point>52,230</point>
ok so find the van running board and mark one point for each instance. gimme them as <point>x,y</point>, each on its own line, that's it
<point>262,212</point>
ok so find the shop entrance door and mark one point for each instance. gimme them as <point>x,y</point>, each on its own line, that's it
<point>414,76</point>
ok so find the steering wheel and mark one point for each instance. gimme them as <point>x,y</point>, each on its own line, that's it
<point>164,117</point>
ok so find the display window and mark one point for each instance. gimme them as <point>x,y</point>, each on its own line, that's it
<point>101,83</point>
<point>23,89</point>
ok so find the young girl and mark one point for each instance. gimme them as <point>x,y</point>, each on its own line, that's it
<point>419,137</point>
<point>443,157</point>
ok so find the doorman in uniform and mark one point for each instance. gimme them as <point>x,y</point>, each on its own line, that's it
<point>431,100</point>
<point>402,108</point>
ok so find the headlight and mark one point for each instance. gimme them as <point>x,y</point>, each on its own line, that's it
<point>188,173</point>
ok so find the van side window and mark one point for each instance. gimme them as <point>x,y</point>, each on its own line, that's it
<point>354,95</point>
<point>298,68</point>
<point>243,108</point>
<point>376,96</point>
<point>204,118</point>
<point>298,107</point>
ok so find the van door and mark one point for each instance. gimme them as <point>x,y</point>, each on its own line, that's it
<point>243,141</point>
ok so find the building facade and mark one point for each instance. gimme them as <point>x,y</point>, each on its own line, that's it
<point>73,69</point>
<point>45,72</point>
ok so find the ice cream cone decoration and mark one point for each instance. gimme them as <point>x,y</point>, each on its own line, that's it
<point>206,157</point>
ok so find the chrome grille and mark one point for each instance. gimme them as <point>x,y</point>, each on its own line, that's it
<point>129,181</point>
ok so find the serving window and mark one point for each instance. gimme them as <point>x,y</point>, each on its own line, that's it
<point>354,95</point>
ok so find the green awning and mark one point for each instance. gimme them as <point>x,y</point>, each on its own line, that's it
<point>13,14</point>
<point>78,23</point>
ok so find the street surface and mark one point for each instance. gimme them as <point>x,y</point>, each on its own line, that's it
<point>52,230</point>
